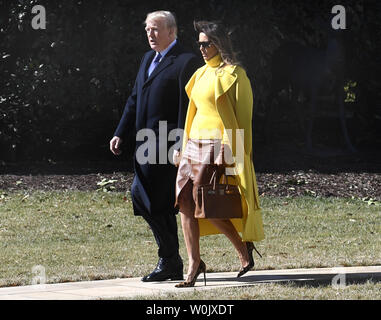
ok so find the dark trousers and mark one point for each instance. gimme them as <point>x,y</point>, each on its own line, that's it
<point>163,225</point>
<point>164,228</point>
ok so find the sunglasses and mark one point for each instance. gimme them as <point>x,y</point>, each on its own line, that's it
<point>204,44</point>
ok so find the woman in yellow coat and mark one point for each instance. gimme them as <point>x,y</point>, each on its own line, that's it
<point>218,130</point>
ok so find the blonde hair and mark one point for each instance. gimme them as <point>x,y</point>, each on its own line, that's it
<point>168,17</point>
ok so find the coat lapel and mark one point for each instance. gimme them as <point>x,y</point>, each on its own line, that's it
<point>145,65</point>
<point>164,63</point>
<point>193,79</point>
<point>161,66</point>
<point>224,80</point>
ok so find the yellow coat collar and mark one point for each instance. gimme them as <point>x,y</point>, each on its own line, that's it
<point>225,78</point>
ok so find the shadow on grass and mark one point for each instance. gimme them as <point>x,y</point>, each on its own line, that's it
<point>312,280</point>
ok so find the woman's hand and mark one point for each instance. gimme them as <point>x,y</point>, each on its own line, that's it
<point>225,157</point>
<point>176,158</point>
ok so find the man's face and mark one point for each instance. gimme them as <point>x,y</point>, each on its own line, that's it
<point>159,36</point>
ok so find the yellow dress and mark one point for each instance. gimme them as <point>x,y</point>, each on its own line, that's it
<point>233,101</point>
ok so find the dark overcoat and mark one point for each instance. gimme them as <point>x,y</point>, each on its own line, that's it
<point>159,97</point>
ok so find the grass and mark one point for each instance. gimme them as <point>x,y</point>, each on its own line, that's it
<point>93,235</point>
<point>284,291</point>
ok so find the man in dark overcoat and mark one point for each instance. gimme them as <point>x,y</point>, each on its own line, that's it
<point>157,106</point>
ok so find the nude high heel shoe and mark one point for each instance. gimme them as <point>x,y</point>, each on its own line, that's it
<point>187,284</point>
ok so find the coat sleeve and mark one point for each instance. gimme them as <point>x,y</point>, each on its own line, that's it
<point>244,108</point>
<point>127,121</point>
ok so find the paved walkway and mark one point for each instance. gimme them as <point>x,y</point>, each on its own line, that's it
<point>133,287</point>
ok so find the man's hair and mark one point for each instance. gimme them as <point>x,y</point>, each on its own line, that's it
<point>168,17</point>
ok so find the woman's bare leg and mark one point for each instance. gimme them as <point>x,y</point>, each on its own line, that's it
<point>191,233</point>
<point>227,228</point>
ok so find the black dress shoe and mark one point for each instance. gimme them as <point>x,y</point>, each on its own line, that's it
<point>166,269</point>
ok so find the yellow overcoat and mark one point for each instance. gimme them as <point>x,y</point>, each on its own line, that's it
<point>234,102</point>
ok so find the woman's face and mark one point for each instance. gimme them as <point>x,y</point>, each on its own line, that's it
<point>207,48</point>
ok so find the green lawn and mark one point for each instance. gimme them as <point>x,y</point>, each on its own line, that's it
<point>280,291</point>
<point>94,235</point>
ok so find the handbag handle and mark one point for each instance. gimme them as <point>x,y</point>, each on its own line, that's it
<point>213,180</point>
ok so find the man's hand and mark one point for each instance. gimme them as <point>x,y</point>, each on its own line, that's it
<point>115,143</point>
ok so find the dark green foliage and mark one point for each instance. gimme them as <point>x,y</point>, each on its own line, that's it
<point>62,90</point>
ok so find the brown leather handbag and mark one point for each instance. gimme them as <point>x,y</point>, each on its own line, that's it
<point>218,201</point>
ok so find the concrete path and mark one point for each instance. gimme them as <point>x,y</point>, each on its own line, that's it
<point>133,287</point>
